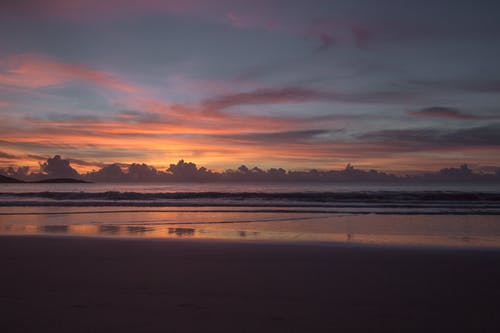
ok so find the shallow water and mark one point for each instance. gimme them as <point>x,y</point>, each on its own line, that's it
<point>438,215</point>
<point>385,229</point>
<point>243,187</point>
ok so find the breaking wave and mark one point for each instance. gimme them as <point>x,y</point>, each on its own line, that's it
<point>366,196</point>
<point>440,202</point>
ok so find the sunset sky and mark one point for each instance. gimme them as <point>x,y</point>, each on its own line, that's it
<point>299,84</point>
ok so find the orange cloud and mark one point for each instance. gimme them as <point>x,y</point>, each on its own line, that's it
<point>161,144</point>
<point>197,119</point>
<point>36,71</point>
<point>212,133</point>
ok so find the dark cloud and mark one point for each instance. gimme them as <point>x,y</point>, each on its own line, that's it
<point>71,160</point>
<point>37,157</point>
<point>302,95</point>
<point>7,156</point>
<point>26,145</point>
<point>481,86</point>
<point>332,31</point>
<point>306,136</point>
<point>264,96</point>
<point>19,173</point>
<point>327,41</point>
<point>86,163</point>
<point>188,171</point>
<point>444,112</point>
<point>131,116</point>
<point>477,136</point>
<point>471,85</point>
<point>141,172</point>
<point>433,139</point>
<point>69,118</point>
<point>56,167</point>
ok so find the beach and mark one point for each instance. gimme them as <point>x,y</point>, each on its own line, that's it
<point>249,166</point>
<point>92,284</point>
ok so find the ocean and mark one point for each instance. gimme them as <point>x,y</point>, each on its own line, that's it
<point>440,215</point>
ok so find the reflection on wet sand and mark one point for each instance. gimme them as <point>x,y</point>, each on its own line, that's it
<point>109,229</point>
<point>54,228</point>
<point>243,233</point>
<point>482,231</point>
<point>133,229</point>
<point>218,232</point>
<point>181,232</point>
<point>104,230</point>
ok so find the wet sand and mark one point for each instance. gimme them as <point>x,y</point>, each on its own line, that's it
<point>77,284</point>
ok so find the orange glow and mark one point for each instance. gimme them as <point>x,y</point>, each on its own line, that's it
<point>34,71</point>
<point>361,229</point>
<point>211,133</point>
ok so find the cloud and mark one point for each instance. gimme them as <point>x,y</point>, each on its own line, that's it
<point>162,117</point>
<point>58,168</point>
<point>476,85</point>
<point>284,137</point>
<point>302,95</point>
<point>7,156</point>
<point>84,163</point>
<point>362,35</point>
<point>37,71</point>
<point>332,32</point>
<point>445,112</point>
<point>263,96</point>
<point>299,149</point>
<point>327,40</point>
<point>91,9</point>
<point>37,157</point>
<point>152,129</point>
<point>412,140</point>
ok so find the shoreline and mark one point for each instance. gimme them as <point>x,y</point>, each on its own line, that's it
<point>84,284</point>
<point>262,242</point>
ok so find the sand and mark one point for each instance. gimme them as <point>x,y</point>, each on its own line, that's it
<point>71,284</point>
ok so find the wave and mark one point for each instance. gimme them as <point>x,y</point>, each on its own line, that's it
<point>360,196</point>
<point>337,212</point>
<point>89,203</point>
<point>360,202</point>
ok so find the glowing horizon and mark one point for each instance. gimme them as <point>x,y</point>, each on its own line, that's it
<point>260,83</point>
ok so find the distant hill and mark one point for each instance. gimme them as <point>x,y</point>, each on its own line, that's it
<point>61,180</point>
<point>5,180</point>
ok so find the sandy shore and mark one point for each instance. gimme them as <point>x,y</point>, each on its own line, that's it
<point>69,284</point>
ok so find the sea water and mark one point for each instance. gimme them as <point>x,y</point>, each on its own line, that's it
<point>447,215</point>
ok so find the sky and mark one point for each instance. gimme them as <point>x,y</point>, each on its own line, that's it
<point>392,85</point>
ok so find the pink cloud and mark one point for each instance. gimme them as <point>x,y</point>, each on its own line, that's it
<point>199,119</point>
<point>301,95</point>
<point>36,71</point>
